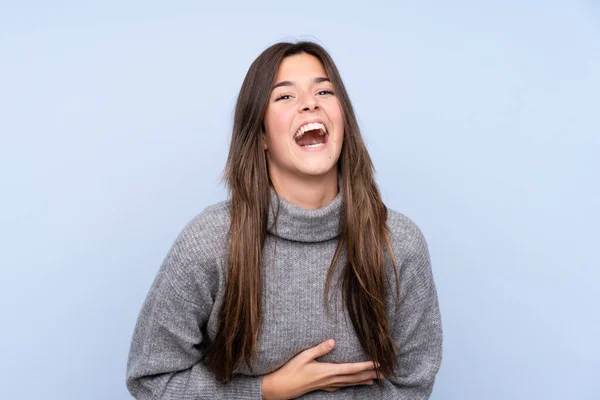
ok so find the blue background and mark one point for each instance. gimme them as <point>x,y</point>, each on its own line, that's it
<point>482,119</point>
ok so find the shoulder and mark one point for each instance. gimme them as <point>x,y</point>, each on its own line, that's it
<point>207,230</point>
<point>406,237</point>
<point>196,256</point>
<point>411,257</point>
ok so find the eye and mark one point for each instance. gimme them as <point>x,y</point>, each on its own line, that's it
<point>283,97</point>
<point>324,92</point>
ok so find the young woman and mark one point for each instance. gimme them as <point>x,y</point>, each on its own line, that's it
<point>302,284</point>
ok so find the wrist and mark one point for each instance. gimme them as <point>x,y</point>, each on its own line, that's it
<point>266,388</point>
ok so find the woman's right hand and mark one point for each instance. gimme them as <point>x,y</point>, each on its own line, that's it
<point>302,374</point>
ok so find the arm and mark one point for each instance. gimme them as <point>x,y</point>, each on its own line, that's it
<point>417,326</point>
<point>166,350</point>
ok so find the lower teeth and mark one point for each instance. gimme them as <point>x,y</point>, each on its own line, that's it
<point>313,145</point>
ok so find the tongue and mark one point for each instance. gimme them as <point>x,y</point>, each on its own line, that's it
<point>311,137</point>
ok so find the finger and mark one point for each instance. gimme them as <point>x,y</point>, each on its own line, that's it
<point>319,350</point>
<point>348,379</point>
<point>349,368</point>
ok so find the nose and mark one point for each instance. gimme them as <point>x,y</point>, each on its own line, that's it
<point>307,102</point>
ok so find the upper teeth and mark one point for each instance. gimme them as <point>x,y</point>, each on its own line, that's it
<point>310,127</point>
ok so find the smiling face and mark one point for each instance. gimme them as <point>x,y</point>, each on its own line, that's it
<point>304,124</point>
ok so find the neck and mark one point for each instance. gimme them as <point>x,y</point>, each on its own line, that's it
<point>311,192</point>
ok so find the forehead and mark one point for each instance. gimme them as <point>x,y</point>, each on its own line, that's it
<point>300,67</point>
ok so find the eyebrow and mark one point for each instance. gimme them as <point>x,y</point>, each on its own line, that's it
<point>289,83</point>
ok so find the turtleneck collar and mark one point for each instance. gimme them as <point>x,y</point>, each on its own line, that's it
<point>303,225</point>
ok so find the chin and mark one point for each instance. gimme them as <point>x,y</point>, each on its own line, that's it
<point>317,170</point>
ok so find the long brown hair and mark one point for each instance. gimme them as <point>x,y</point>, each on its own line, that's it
<point>363,231</point>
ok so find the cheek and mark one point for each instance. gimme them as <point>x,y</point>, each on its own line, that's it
<point>340,114</point>
<point>337,117</point>
<point>333,108</point>
<point>278,122</point>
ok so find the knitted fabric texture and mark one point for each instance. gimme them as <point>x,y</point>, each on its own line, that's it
<point>182,307</point>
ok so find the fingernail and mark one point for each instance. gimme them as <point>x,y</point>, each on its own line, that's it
<point>330,343</point>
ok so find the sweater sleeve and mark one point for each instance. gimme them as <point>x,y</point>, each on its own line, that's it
<point>165,358</point>
<point>417,326</point>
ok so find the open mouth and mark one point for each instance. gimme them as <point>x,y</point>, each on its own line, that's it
<point>311,135</point>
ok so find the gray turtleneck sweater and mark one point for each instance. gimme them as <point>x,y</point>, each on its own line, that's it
<point>182,308</point>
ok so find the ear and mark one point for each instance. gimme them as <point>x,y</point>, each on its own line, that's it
<point>263,135</point>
